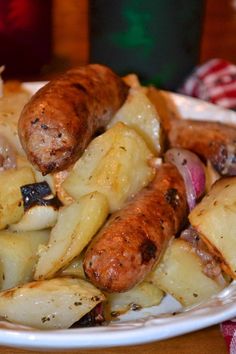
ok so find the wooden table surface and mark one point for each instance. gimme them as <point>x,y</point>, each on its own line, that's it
<point>206,341</point>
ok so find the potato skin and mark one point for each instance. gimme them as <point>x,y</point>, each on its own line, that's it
<point>134,238</point>
<point>62,117</point>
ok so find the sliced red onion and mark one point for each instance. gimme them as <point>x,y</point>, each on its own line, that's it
<point>192,171</point>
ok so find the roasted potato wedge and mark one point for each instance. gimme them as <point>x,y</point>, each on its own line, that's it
<point>11,105</point>
<point>140,114</point>
<point>11,205</point>
<point>211,175</point>
<point>215,220</point>
<point>143,295</point>
<point>132,81</point>
<point>18,256</point>
<point>77,224</point>
<point>55,181</point>
<point>1,275</point>
<point>39,217</point>
<point>114,164</point>
<point>49,304</point>
<point>180,274</point>
<point>58,179</point>
<point>75,268</point>
<point>164,105</point>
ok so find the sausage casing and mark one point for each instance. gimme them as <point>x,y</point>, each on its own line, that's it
<point>62,117</point>
<point>134,238</point>
<point>210,140</point>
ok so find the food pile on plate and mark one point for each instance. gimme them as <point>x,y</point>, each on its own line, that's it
<point>109,200</point>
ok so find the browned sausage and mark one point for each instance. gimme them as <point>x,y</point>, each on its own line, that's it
<point>62,117</point>
<point>133,240</point>
<point>213,141</point>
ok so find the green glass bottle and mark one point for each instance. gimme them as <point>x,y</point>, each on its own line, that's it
<point>157,39</point>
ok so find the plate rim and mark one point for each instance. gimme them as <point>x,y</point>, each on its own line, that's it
<point>168,326</point>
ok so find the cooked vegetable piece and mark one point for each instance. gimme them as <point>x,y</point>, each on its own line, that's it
<point>55,181</point>
<point>11,104</point>
<point>49,304</point>
<point>11,203</point>
<point>75,268</point>
<point>165,106</point>
<point>7,154</point>
<point>143,295</point>
<point>77,224</point>
<point>132,81</point>
<point>191,169</point>
<point>1,275</point>
<point>140,114</point>
<point>18,255</point>
<point>215,220</point>
<point>114,164</point>
<point>38,194</point>
<point>58,178</point>
<point>211,175</point>
<point>39,217</point>
<point>48,178</point>
<point>180,274</point>
<point>93,318</point>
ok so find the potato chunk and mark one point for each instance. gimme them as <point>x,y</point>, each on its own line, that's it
<point>180,274</point>
<point>165,106</point>
<point>114,164</point>
<point>77,224</point>
<point>215,220</point>
<point>211,176</point>
<point>11,106</point>
<point>140,114</point>
<point>39,217</point>
<point>18,255</point>
<point>143,295</point>
<point>11,205</point>
<point>49,304</point>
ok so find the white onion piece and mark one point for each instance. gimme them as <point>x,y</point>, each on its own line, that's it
<point>192,171</point>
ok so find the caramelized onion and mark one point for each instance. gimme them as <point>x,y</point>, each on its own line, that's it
<point>192,171</point>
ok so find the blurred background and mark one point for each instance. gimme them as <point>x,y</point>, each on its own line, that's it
<point>161,41</point>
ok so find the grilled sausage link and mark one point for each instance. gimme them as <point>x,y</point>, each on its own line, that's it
<point>134,238</point>
<point>61,118</point>
<point>213,141</point>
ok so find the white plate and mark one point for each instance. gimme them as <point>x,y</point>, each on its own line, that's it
<point>160,322</point>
